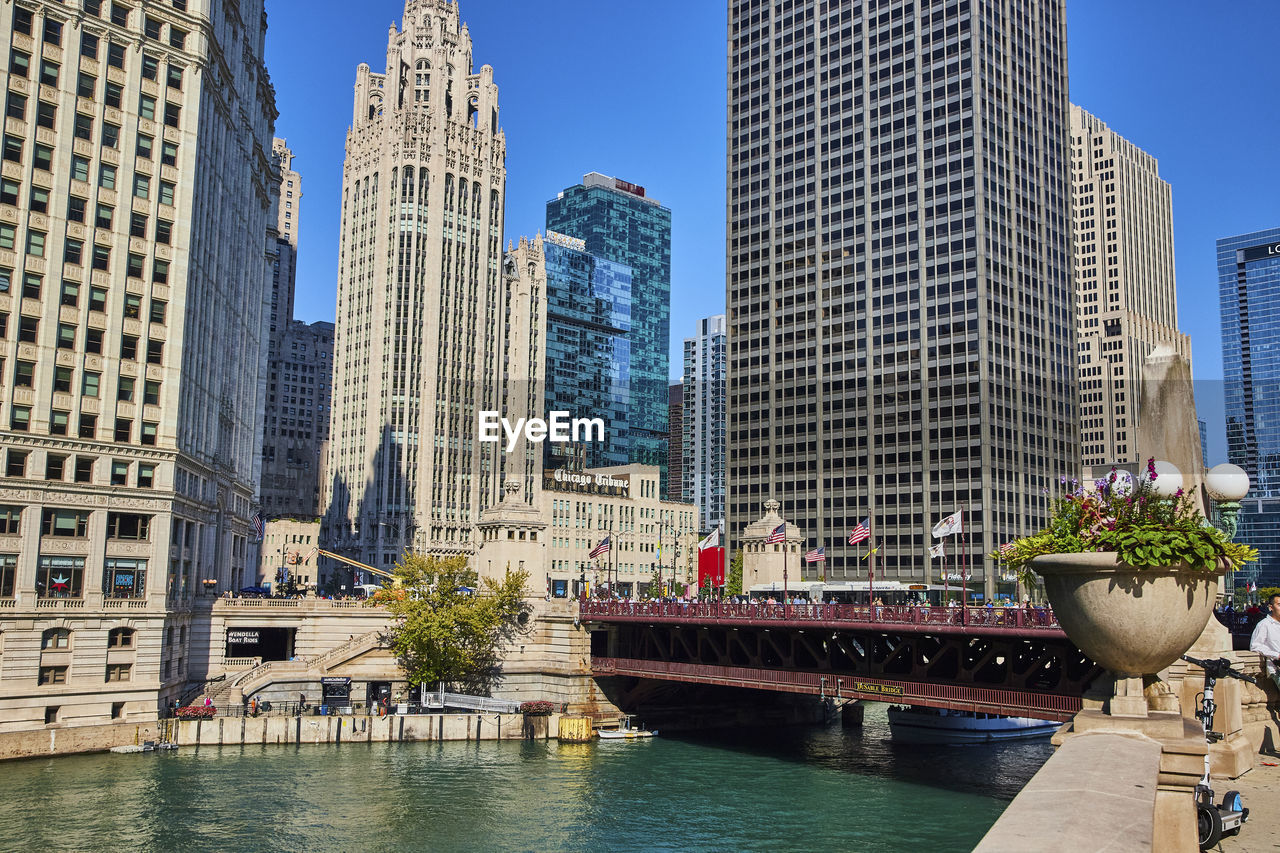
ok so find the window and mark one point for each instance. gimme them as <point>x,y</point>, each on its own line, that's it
<point>110,135</point>
<point>15,106</point>
<point>20,63</point>
<point>148,436</point>
<point>147,107</point>
<point>151,392</point>
<point>160,271</point>
<point>119,473</point>
<point>86,85</point>
<point>49,73</point>
<point>172,114</point>
<point>91,383</point>
<point>75,209</point>
<point>8,573</point>
<point>62,378</point>
<point>31,285</point>
<point>104,216</point>
<point>169,153</point>
<point>117,710</point>
<point>84,469</point>
<point>53,31</point>
<point>107,177</point>
<point>35,243</point>
<point>58,422</point>
<point>101,257</point>
<point>13,148</point>
<point>123,430</point>
<point>79,169</point>
<point>28,329</point>
<point>151,27</point>
<point>115,55</point>
<point>20,419</point>
<point>88,425</point>
<point>166,191</point>
<point>124,392</point>
<point>142,186</point>
<point>137,225</point>
<point>51,713</point>
<point>144,146</point>
<point>113,94</point>
<point>23,374</point>
<point>71,294</point>
<point>129,347</point>
<point>133,269</point>
<point>119,14</point>
<point>6,279</point>
<point>93,7</point>
<point>66,336</point>
<point>97,298</point>
<point>177,37</point>
<point>55,639</point>
<point>93,341</point>
<point>155,352</point>
<point>8,236</point>
<point>54,466</point>
<point>84,127</point>
<point>119,671</point>
<point>15,463</point>
<point>10,520</point>
<point>158,307</point>
<point>174,80</point>
<point>73,251</point>
<point>128,525</point>
<point>22,21</point>
<point>146,476</point>
<point>52,675</point>
<point>89,45</point>
<point>66,523</point>
<point>46,115</point>
<point>42,157</point>
<point>119,638</point>
<point>60,577</point>
<point>9,191</point>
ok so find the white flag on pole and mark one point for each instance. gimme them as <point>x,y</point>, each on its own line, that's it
<point>937,551</point>
<point>711,541</point>
<point>949,525</point>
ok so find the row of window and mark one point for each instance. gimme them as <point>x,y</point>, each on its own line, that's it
<point>59,639</point>
<point>58,674</point>
<point>63,382</point>
<point>63,577</point>
<point>58,465</point>
<point>75,522</point>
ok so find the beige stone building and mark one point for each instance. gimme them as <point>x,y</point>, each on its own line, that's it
<point>1126,295</point>
<point>137,227</point>
<point>290,551</point>
<point>622,503</point>
<point>422,340</point>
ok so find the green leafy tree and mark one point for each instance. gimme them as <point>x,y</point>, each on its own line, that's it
<point>655,583</point>
<point>733,583</point>
<point>451,626</point>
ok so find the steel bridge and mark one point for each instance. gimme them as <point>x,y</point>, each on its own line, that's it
<point>996,660</point>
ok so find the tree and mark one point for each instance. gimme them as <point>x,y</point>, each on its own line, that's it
<point>451,627</point>
<point>733,583</point>
<point>655,583</point>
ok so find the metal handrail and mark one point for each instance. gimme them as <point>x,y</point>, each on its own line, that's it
<point>1036,618</point>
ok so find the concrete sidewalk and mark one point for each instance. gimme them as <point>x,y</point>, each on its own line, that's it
<point>1260,788</point>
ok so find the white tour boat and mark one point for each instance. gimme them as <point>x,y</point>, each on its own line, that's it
<point>913,724</point>
<point>625,731</point>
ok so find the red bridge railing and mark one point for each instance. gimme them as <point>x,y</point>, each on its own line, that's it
<point>997,618</point>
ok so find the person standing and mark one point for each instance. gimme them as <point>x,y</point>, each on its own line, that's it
<point>1266,639</point>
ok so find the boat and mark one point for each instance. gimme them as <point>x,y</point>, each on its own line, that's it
<point>913,724</point>
<point>626,731</point>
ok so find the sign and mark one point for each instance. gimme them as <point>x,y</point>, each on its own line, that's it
<point>242,637</point>
<point>124,579</point>
<point>711,567</point>
<point>1260,253</point>
<point>878,689</point>
<point>330,679</point>
<point>628,187</point>
<point>591,482</point>
<point>564,240</point>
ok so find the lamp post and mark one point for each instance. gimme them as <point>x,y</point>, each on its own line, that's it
<point>1226,485</point>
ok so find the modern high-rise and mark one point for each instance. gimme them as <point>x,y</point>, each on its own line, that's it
<point>900,319</point>
<point>421,330</point>
<point>619,223</point>
<point>1248,292</point>
<point>1126,298</point>
<point>703,439</point>
<point>675,442</point>
<point>137,226</point>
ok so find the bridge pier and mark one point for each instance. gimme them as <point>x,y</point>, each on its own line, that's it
<point>851,715</point>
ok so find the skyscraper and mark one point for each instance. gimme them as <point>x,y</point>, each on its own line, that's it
<point>421,333</point>
<point>136,222</point>
<point>1248,291</point>
<point>675,441</point>
<point>618,223</point>
<point>1126,298</point>
<point>705,357</point>
<point>898,271</point>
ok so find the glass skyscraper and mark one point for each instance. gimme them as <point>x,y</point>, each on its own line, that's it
<point>1249,296</point>
<point>589,303</point>
<point>618,223</point>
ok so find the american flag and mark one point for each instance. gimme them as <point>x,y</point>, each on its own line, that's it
<point>257,526</point>
<point>861,533</point>
<point>779,534</point>
<point>604,547</point>
<point>817,555</point>
<point>1008,548</point>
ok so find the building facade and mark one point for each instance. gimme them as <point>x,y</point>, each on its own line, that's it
<point>1248,291</point>
<point>901,331</point>
<point>421,336</point>
<point>650,537</point>
<point>296,425</point>
<point>618,223</point>
<point>675,442</point>
<point>289,554</point>
<point>705,421</point>
<point>137,227</point>
<point>1126,296</point>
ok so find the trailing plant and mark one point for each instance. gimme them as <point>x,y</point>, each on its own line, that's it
<point>1126,515</point>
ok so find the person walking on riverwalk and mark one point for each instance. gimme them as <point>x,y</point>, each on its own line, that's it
<point>1266,639</point>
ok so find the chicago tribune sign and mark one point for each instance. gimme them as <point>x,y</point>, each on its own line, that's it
<point>590,482</point>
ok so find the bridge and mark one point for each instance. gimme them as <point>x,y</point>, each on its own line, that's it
<point>1000,660</point>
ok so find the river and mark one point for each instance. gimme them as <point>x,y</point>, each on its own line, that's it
<point>771,790</point>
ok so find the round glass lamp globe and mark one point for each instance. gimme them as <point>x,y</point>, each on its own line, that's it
<point>1227,482</point>
<point>1168,480</point>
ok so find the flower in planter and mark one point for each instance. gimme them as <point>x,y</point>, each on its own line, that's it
<point>1128,516</point>
<point>537,706</point>
<point>196,712</point>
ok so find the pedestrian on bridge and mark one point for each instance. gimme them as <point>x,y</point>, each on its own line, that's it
<point>1266,639</point>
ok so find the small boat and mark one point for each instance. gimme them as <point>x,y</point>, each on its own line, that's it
<point>626,731</point>
<point>913,724</point>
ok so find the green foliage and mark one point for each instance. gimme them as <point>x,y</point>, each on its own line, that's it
<point>1143,528</point>
<point>655,583</point>
<point>733,581</point>
<point>442,631</point>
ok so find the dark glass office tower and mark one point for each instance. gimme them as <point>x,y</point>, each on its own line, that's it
<point>1249,296</point>
<point>588,351</point>
<point>617,222</point>
<point>901,328</point>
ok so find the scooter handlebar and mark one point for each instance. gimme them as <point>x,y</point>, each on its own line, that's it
<point>1220,668</point>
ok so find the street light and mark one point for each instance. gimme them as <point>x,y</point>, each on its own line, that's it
<point>1226,485</point>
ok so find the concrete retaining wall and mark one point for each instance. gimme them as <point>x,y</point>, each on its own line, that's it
<point>65,740</point>
<point>223,731</point>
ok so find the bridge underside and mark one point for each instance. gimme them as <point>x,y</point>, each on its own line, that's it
<point>1041,677</point>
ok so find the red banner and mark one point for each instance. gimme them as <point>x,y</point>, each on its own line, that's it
<point>711,565</point>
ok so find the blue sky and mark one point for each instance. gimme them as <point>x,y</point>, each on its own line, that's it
<point>637,90</point>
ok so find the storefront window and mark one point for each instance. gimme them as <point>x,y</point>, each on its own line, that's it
<point>124,578</point>
<point>60,577</point>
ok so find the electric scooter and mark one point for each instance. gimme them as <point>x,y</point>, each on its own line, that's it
<point>1225,818</point>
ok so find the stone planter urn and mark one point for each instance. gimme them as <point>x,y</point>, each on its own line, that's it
<point>1134,622</point>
